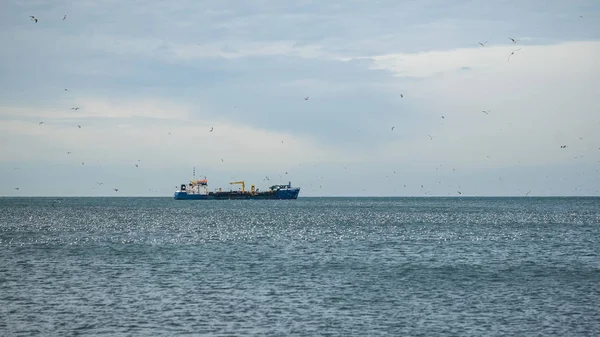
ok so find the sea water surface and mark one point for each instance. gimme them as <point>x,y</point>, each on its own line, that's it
<point>309,267</point>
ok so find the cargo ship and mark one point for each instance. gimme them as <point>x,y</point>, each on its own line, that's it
<point>197,189</point>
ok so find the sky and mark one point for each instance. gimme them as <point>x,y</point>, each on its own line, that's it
<point>152,77</point>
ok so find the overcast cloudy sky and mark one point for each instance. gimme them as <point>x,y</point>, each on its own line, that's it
<point>152,77</point>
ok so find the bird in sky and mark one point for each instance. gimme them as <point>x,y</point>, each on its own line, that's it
<point>483,44</point>
<point>511,54</point>
<point>33,18</point>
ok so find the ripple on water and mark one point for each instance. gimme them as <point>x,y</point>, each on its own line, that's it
<point>414,266</point>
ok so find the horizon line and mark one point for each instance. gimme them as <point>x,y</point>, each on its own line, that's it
<point>307,197</point>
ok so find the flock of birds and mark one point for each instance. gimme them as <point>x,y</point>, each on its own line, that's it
<point>482,44</point>
<point>511,53</point>
<point>33,18</point>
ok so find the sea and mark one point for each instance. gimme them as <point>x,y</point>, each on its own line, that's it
<point>456,266</point>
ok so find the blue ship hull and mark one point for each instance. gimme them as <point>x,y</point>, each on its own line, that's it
<point>287,194</point>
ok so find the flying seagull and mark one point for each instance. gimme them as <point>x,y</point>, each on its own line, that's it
<point>513,40</point>
<point>401,95</point>
<point>393,127</point>
<point>79,126</point>
<point>33,18</point>
<point>511,54</point>
<point>483,44</point>
<point>306,98</point>
<point>40,123</point>
<point>77,108</point>
<point>487,112</point>
<point>65,17</point>
<point>211,129</point>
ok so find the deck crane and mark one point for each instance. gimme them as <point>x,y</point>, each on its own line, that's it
<point>239,182</point>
